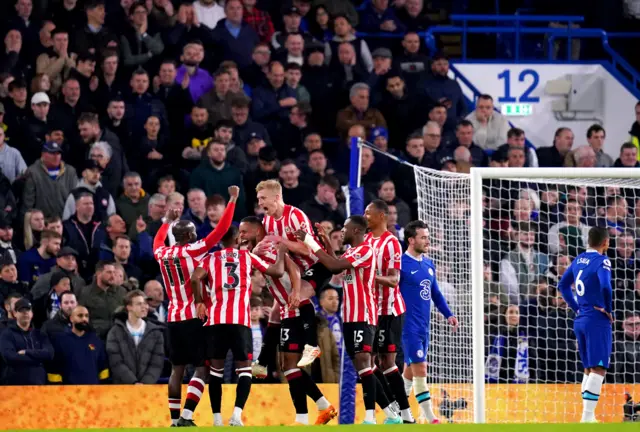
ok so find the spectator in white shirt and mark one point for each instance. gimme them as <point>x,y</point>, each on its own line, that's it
<point>11,162</point>
<point>208,12</point>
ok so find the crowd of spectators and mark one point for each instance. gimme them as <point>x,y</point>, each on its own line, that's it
<point>112,111</point>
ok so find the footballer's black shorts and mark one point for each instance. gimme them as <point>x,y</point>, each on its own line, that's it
<point>292,335</point>
<point>358,337</point>
<point>317,275</point>
<point>186,342</point>
<point>224,337</point>
<point>389,334</point>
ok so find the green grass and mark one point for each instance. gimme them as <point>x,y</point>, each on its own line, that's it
<point>617,427</point>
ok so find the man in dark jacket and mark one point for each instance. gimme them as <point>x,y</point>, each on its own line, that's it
<point>324,205</point>
<point>66,263</point>
<point>9,282</point>
<point>134,344</point>
<point>234,37</point>
<point>25,349</point>
<point>80,357</point>
<point>60,322</point>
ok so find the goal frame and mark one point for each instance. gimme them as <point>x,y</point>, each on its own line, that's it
<point>477,261</point>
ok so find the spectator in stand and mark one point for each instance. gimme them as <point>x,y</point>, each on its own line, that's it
<point>35,127</point>
<point>157,210</point>
<point>9,283</point>
<point>378,17</point>
<point>387,193</point>
<point>17,109</point>
<point>465,138</point>
<point>158,305</point>
<point>255,74</point>
<point>289,142</point>
<point>628,157</point>
<point>48,305</point>
<point>516,157</point>
<point>324,205</point>
<point>433,149</point>
<point>66,265</point>
<point>215,175</point>
<point>595,138</point>
<point>110,83</point>
<point>218,100</point>
<point>291,20</point>
<point>520,267</point>
<point>12,164</point>
<point>139,46</point>
<point>555,155</point>
<point>103,203</point>
<point>293,52</point>
<point>25,350</point>
<point>293,192</point>
<point>344,32</point>
<point>320,23</point>
<point>84,234</point>
<point>413,64</point>
<point>266,169</point>
<point>635,130</point>
<point>197,211</point>
<point>490,128</point>
<point>135,345</point>
<point>122,256</point>
<point>382,60</point>
<point>271,104</point>
<point>359,112</point>
<point>317,79</point>
<point>569,237</point>
<point>234,38</point>
<point>196,137</point>
<point>507,348</point>
<point>134,201</point>
<point>84,74</point>
<point>115,226</point>
<point>7,312</point>
<point>12,55</point>
<point>154,151</point>
<point>33,227</point>
<point>208,12</point>
<point>48,182</point>
<point>174,95</point>
<point>197,80</point>
<point>102,297</point>
<point>329,302</point>
<point>293,76</point>
<point>80,357</point>
<point>94,36</point>
<point>413,16</point>
<point>402,109</point>
<point>60,322</point>
<point>38,261</point>
<point>142,105</point>
<point>260,21</point>
<point>215,207</point>
<point>235,155</point>
<point>627,350</point>
<point>244,127</point>
<point>8,251</point>
<point>439,87</point>
<point>583,157</point>
<point>516,138</point>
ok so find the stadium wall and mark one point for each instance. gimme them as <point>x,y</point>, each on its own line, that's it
<point>49,407</point>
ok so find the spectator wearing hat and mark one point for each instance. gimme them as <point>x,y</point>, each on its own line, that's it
<point>103,202</point>
<point>379,137</point>
<point>48,182</point>
<point>60,322</point>
<point>243,126</point>
<point>24,349</point>
<point>289,143</point>
<point>267,169</point>
<point>359,112</point>
<point>8,251</point>
<point>439,87</point>
<point>35,128</point>
<point>382,60</point>
<point>94,36</point>
<point>84,233</point>
<point>48,306</point>
<point>344,32</point>
<point>9,283</point>
<point>39,260</point>
<point>254,144</point>
<point>57,61</point>
<point>67,264</point>
<point>233,37</point>
<point>260,21</point>
<point>378,17</point>
<point>291,19</point>
<point>80,357</point>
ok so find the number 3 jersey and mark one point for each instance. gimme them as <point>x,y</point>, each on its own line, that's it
<point>228,285</point>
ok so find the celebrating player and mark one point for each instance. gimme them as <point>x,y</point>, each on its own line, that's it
<point>418,286</point>
<point>177,262</point>
<point>359,308</point>
<point>590,273</point>
<point>286,292</point>
<point>391,306</point>
<point>281,221</point>
<point>227,274</point>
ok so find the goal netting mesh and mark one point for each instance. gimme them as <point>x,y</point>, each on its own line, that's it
<point>533,228</point>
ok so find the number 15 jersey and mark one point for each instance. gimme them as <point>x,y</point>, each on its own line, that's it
<point>228,285</point>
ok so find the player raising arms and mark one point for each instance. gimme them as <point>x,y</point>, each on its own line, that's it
<point>227,275</point>
<point>590,272</point>
<point>359,308</point>
<point>286,292</point>
<point>281,221</point>
<point>177,262</point>
<point>391,306</point>
<point>418,286</point>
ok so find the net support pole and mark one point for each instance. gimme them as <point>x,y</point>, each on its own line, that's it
<point>477,296</point>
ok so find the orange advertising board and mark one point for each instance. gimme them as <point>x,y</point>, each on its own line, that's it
<point>113,406</point>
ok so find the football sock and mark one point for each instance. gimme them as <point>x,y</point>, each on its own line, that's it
<point>368,388</point>
<point>397,386</point>
<point>590,396</point>
<point>408,385</point>
<point>381,397</point>
<point>215,389</point>
<point>384,385</point>
<point>243,387</point>
<point>194,393</point>
<point>313,391</point>
<point>174,410</point>
<point>297,391</point>
<point>270,344</point>
<point>308,315</point>
<point>424,397</point>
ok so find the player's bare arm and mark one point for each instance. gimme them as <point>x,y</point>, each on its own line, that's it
<point>294,276</point>
<point>324,240</point>
<point>391,279</point>
<point>234,192</point>
<point>276,269</point>
<point>334,265</point>
<point>196,288</point>
<point>293,247</point>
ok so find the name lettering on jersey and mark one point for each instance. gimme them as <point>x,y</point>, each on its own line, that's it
<point>425,292</point>
<point>584,261</point>
<point>232,254</point>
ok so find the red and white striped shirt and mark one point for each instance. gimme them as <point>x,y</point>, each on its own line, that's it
<point>280,288</point>
<point>177,263</point>
<point>228,285</point>
<point>359,302</point>
<point>292,220</point>
<point>388,256</point>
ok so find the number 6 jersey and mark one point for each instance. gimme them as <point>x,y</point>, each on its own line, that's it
<point>228,284</point>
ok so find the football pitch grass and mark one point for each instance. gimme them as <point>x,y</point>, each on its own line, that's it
<point>609,427</point>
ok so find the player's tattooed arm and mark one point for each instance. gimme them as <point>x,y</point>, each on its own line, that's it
<point>333,264</point>
<point>391,280</point>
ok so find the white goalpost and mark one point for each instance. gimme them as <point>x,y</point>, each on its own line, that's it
<point>501,238</point>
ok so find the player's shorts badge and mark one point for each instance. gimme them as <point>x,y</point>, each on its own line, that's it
<point>420,353</point>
